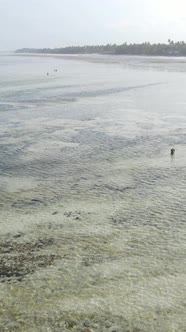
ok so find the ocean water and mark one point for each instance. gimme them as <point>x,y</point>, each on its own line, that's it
<point>92,205</point>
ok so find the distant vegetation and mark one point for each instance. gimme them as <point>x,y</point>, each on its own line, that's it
<point>170,49</point>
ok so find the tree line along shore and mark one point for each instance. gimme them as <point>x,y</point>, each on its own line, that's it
<point>166,49</point>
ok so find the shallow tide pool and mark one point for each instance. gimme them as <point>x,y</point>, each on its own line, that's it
<point>92,205</point>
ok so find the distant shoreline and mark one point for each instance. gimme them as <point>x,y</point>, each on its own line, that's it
<point>144,49</point>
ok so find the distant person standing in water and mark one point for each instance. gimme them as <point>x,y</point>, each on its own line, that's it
<point>172,152</point>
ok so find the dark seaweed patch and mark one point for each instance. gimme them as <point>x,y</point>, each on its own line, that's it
<point>26,203</point>
<point>20,259</point>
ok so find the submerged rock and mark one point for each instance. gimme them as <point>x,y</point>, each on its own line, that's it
<point>70,323</point>
<point>54,213</point>
<point>115,329</point>
<point>17,235</point>
<point>108,325</point>
<point>86,323</point>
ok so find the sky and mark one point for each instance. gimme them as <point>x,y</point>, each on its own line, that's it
<point>60,23</point>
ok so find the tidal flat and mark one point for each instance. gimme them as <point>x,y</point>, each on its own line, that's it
<point>92,205</point>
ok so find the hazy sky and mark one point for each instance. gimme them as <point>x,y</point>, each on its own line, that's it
<point>55,23</point>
